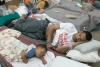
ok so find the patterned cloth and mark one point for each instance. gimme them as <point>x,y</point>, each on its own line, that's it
<point>64,35</point>
<point>10,46</point>
<point>63,40</point>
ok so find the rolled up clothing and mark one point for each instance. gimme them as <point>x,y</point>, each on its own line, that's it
<point>19,12</point>
<point>4,20</point>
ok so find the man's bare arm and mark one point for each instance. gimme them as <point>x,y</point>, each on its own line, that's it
<point>62,49</point>
<point>50,31</point>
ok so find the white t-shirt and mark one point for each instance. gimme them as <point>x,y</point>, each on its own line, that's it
<point>22,10</point>
<point>68,28</point>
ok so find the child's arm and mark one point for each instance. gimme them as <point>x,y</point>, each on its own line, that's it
<point>43,60</point>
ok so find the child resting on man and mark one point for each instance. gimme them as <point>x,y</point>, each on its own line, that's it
<point>38,52</point>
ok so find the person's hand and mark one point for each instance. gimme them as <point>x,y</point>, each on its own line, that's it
<point>43,60</point>
<point>49,46</point>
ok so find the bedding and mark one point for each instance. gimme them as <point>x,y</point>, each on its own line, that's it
<point>29,41</point>
<point>24,38</point>
<point>35,62</point>
<point>88,47</point>
<point>91,57</point>
<point>64,15</point>
<point>4,63</point>
<point>88,19</point>
<point>60,61</point>
<point>52,62</point>
<point>71,5</point>
<point>14,47</point>
<point>94,17</point>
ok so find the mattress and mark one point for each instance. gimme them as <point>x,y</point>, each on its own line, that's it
<point>24,38</point>
<point>29,41</point>
<point>61,14</point>
<point>60,61</point>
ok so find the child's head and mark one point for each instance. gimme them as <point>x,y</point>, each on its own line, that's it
<point>41,50</point>
<point>42,4</point>
<point>27,2</point>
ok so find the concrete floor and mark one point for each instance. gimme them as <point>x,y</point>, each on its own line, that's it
<point>96,35</point>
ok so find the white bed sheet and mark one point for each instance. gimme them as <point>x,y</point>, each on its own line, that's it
<point>59,61</point>
<point>65,62</point>
<point>35,62</point>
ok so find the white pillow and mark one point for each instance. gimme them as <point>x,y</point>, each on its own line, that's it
<point>87,47</point>
<point>89,57</point>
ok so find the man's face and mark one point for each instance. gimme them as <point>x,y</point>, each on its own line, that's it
<point>79,37</point>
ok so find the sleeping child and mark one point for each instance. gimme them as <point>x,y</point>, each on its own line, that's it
<point>38,52</point>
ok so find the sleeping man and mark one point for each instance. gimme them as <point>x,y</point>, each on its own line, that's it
<point>66,37</point>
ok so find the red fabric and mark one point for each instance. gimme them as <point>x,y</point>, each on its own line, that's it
<point>28,40</point>
<point>63,40</point>
<point>90,1</point>
<point>6,63</point>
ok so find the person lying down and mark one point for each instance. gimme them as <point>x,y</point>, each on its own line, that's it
<point>38,52</point>
<point>15,49</point>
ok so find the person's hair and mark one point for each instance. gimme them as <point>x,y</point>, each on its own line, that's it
<point>46,4</point>
<point>88,35</point>
<point>43,46</point>
<point>2,2</point>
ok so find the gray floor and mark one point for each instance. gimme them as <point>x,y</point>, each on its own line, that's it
<point>96,35</point>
